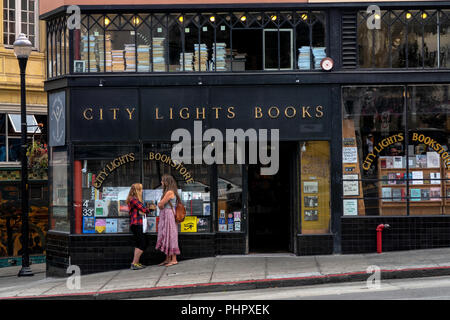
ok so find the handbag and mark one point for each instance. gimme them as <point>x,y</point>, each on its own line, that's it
<point>180,211</point>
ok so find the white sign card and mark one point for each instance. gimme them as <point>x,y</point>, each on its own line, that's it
<point>350,207</point>
<point>310,187</point>
<point>351,188</point>
<point>349,155</point>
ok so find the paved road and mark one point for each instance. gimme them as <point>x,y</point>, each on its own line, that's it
<point>434,288</point>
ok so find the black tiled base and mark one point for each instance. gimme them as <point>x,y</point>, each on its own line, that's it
<point>98,253</point>
<point>314,244</point>
<point>405,233</point>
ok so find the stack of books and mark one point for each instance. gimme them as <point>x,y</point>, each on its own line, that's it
<point>99,52</point>
<point>200,57</point>
<point>88,53</point>
<point>159,62</point>
<point>219,55</point>
<point>108,57</point>
<point>143,54</point>
<point>304,58</point>
<point>188,61</point>
<point>130,57</point>
<point>118,62</point>
<point>319,54</point>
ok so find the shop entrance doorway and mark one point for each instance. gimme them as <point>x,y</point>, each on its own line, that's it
<point>269,209</point>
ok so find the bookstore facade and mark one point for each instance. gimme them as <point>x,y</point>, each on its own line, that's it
<point>351,155</point>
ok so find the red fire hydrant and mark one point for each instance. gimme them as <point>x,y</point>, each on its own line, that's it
<point>379,239</point>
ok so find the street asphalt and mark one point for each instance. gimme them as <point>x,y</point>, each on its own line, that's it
<point>225,273</point>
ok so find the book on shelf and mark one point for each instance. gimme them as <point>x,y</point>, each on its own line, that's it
<point>435,177</point>
<point>304,58</point>
<point>219,56</point>
<point>143,55</point>
<point>417,177</point>
<point>396,194</point>
<point>425,193</point>
<point>391,176</point>
<point>412,162</point>
<point>118,61</point>
<point>159,61</point>
<point>435,194</point>
<point>397,162</point>
<point>130,57</point>
<point>389,162</point>
<point>383,162</point>
<point>415,194</point>
<point>200,57</point>
<point>386,194</point>
<point>319,54</point>
<point>421,161</point>
<point>400,177</point>
<point>188,61</point>
<point>433,160</point>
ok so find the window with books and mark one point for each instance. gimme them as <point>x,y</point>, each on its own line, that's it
<point>429,139</point>
<point>193,183</point>
<point>229,188</point>
<point>189,42</point>
<point>373,150</point>
<point>395,150</point>
<point>103,176</point>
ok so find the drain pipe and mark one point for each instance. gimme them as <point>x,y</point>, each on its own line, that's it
<point>379,239</point>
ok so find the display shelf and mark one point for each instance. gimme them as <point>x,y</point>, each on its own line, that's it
<point>435,202</point>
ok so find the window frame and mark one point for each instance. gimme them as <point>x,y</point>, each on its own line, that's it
<point>18,25</point>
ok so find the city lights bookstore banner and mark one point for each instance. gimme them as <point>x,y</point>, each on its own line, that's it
<point>152,114</point>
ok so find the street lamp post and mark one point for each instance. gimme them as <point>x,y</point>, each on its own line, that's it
<point>22,50</point>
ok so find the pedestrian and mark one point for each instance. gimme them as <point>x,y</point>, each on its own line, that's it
<point>136,211</point>
<point>167,241</point>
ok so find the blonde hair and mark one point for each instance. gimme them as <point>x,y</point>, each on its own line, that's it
<point>135,192</point>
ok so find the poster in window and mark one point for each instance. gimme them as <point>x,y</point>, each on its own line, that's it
<point>111,225</point>
<point>100,225</point>
<point>310,187</point>
<point>349,155</point>
<point>350,207</point>
<point>151,224</point>
<point>202,224</point>
<point>189,224</point>
<point>123,225</point>
<point>311,201</point>
<point>350,184</point>
<point>88,225</point>
<point>311,215</point>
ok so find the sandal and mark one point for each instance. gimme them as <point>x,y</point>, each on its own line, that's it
<point>163,263</point>
<point>171,264</point>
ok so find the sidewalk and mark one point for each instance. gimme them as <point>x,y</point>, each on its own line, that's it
<point>226,273</point>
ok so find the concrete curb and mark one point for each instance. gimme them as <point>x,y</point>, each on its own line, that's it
<point>241,285</point>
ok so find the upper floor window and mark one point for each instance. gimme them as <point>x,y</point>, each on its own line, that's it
<point>404,39</point>
<point>191,42</point>
<point>20,16</point>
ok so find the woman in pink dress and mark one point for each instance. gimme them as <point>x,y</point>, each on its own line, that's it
<point>167,228</point>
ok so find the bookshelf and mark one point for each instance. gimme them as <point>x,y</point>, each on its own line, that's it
<point>426,188</point>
